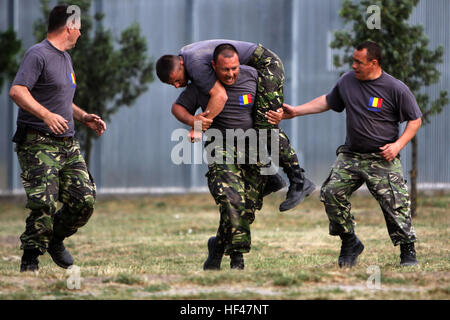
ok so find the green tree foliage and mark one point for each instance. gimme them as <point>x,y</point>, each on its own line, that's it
<point>405,55</point>
<point>10,50</point>
<point>110,74</point>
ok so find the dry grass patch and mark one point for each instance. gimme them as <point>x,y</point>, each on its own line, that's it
<point>154,248</point>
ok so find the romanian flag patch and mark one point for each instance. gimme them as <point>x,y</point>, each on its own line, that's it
<point>375,104</point>
<point>73,80</point>
<point>245,100</point>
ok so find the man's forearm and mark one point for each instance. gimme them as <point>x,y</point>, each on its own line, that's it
<point>23,98</point>
<point>78,113</point>
<point>318,105</point>
<point>217,99</point>
<point>215,106</point>
<point>410,131</point>
<point>183,115</point>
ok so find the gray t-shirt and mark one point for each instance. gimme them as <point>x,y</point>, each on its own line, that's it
<point>374,109</point>
<point>48,74</point>
<point>237,113</point>
<point>198,55</point>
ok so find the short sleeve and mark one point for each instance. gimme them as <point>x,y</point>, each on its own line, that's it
<point>189,99</point>
<point>202,75</point>
<point>334,99</point>
<point>30,70</point>
<point>408,107</point>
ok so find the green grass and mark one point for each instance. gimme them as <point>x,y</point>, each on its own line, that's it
<point>154,248</point>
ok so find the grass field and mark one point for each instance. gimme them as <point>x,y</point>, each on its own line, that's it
<point>154,248</point>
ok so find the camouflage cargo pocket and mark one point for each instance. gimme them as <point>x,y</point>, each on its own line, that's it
<point>399,191</point>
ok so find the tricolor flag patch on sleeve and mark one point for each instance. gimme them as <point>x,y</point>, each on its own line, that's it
<point>245,100</point>
<point>73,80</point>
<point>375,104</point>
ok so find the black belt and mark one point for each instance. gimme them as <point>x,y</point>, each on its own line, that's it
<point>48,135</point>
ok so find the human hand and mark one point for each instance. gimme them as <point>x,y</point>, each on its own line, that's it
<point>390,151</point>
<point>194,136</point>
<point>56,123</point>
<point>289,111</point>
<point>205,122</point>
<point>274,117</point>
<point>95,123</point>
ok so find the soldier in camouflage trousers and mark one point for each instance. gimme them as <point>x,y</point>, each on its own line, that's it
<point>375,104</point>
<point>234,177</point>
<point>238,190</point>
<point>54,170</point>
<point>269,99</point>
<point>49,155</point>
<point>385,182</point>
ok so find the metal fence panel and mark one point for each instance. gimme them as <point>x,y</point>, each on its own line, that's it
<point>135,153</point>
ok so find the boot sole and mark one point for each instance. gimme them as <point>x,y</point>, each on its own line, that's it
<point>29,269</point>
<point>306,192</point>
<point>409,264</point>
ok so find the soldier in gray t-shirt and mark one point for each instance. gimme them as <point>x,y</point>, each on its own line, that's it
<point>237,113</point>
<point>53,168</point>
<point>375,104</point>
<point>46,70</point>
<point>374,109</point>
<point>236,187</point>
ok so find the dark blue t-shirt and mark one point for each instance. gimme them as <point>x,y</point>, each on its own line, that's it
<point>374,109</point>
<point>48,74</point>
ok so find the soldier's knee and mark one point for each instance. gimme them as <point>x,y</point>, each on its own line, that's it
<point>83,207</point>
<point>89,201</point>
<point>84,214</point>
<point>227,197</point>
<point>87,205</point>
<point>235,200</point>
<point>84,217</point>
<point>231,202</point>
<point>83,201</point>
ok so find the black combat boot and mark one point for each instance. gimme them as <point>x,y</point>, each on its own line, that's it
<point>350,250</point>
<point>59,253</point>
<point>408,254</point>
<point>237,261</point>
<point>274,183</point>
<point>215,254</point>
<point>299,188</point>
<point>30,260</point>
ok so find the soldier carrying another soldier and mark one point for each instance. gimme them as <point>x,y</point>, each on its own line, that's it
<point>193,63</point>
<point>236,187</point>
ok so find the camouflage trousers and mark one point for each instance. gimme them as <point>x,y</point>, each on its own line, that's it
<point>54,170</point>
<point>270,96</point>
<point>237,189</point>
<point>385,182</point>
